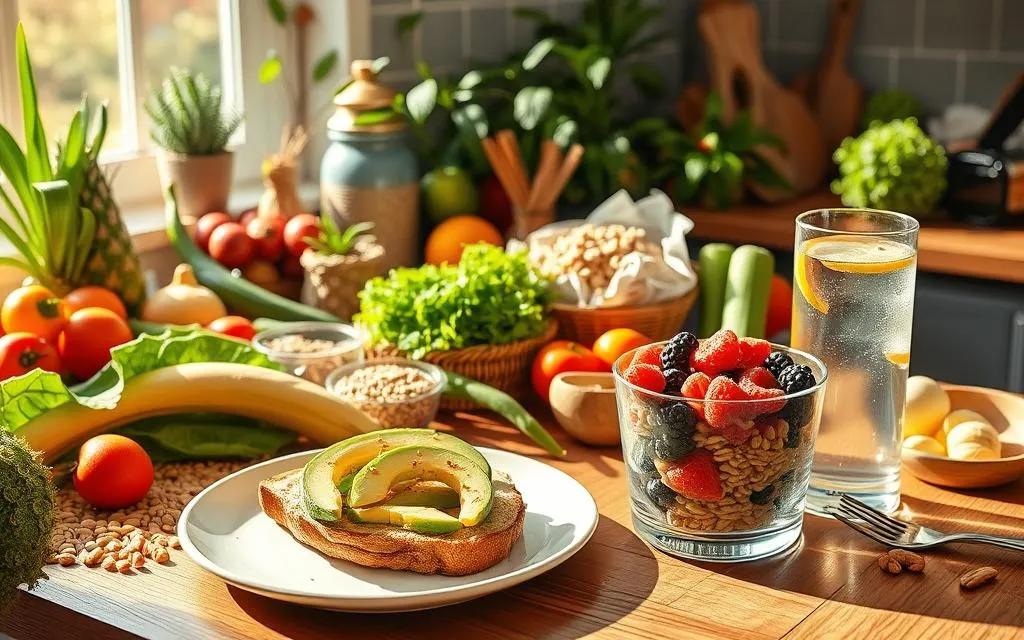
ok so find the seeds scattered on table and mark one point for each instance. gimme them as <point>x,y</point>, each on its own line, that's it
<point>978,577</point>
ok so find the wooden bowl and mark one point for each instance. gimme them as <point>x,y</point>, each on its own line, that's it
<point>584,404</point>
<point>1006,413</point>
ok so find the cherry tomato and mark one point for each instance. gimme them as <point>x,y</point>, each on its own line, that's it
<point>234,326</point>
<point>268,236</point>
<point>206,225</point>
<point>230,246</point>
<point>113,472</point>
<point>87,339</point>
<point>558,359</point>
<point>21,352</point>
<point>34,309</point>
<point>85,297</point>
<point>297,230</point>
<point>616,342</point>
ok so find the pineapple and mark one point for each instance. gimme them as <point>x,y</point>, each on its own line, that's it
<point>112,261</point>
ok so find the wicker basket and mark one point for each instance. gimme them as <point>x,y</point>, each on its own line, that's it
<point>503,366</point>
<point>658,321</point>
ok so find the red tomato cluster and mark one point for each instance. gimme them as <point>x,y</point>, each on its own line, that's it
<point>264,249</point>
<point>72,335</point>
<point>561,356</point>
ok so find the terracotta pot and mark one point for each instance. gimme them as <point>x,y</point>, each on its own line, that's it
<point>332,283</point>
<point>202,183</point>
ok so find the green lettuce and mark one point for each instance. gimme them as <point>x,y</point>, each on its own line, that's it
<point>168,437</point>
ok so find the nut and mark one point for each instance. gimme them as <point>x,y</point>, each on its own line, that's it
<point>123,566</point>
<point>161,555</point>
<point>109,564</point>
<point>977,577</point>
<point>909,560</point>
<point>66,559</point>
<point>137,560</point>
<point>889,564</point>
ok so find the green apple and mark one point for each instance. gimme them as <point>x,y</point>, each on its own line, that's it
<point>448,192</point>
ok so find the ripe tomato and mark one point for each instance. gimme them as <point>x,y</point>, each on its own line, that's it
<point>87,339</point>
<point>297,229</point>
<point>113,472</point>
<point>234,326</point>
<point>556,359</point>
<point>34,309</point>
<point>206,225</point>
<point>230,246</point>
<point>21,352</point>
<point>291,267</point>
<point>246,216</point>
<point>616,342</point>
<point>85,297</point>
<point>268,236</point>
<point>261,272</point>
<point>780,306</point>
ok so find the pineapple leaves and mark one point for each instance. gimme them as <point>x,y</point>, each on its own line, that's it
<point>86,235</point>
<point>187,115</point>
<point>37,158</point>
<point>57,212</point>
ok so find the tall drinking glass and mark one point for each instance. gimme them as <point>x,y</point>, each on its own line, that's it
<point>853,307</point>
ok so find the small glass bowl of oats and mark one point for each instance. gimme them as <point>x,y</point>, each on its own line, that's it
<point>718,466</point>
<point>396,392</point>
<point>312,350</point>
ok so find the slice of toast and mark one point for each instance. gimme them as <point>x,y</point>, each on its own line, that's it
<point>468,550</point>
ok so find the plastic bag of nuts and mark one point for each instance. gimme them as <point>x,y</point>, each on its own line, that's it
<point>396,392</point>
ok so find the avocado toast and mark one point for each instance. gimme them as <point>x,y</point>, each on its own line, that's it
<point>403,499</point>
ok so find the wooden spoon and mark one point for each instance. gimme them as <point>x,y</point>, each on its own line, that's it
<point>738,73</point>
<point>838,97</point>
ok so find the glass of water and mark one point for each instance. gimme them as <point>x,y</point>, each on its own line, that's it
<point>853,307</point>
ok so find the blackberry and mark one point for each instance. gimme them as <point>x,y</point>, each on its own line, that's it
<point>642,460</point>
<point>672,445</point>
<point>795,378</point>
<point>674,379</point>
<point>796,413</point>
<point>678,415</point>
<point>677,351</point>
<point>793,436</point>
<point>660,493</point>
<point>777,363</point>
<point>673,432</point>
<point>762,496</point>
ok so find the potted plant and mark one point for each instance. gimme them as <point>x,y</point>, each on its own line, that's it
<point>337,264</point>
<point>191,126</point>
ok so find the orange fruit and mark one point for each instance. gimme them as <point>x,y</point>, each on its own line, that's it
<point>93,296</point>
<point>446,242</point>
<point>616,342</point>
<point>34,309</point>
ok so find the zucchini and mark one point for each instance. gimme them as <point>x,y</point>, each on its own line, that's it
<point>714,269</point>
<point>747,290</point>
<point>242,296</point>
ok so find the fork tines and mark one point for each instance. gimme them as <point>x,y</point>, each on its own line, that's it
<point>872,523</point>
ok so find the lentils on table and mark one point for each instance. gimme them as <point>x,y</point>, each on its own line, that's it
<point>393,394</point>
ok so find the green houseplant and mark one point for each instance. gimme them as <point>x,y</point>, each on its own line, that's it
<point>339,264</point>
<point>63,222</point>
<point>189,123</point>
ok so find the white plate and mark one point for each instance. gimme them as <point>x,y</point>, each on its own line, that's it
<point>225,532</point>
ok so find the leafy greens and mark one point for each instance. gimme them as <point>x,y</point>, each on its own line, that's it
<point>489,297</point>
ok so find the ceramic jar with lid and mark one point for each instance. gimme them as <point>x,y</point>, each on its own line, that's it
<point>369,171</point>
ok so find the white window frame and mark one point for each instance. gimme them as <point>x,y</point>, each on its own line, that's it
<point>251,32</point>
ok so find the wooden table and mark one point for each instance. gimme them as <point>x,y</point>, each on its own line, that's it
<point>615,587</point>
<point>943,246</point>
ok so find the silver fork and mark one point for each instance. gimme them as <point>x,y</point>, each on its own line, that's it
<point>906,535</point>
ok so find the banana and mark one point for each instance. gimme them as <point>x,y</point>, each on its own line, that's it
<point>265,394</point>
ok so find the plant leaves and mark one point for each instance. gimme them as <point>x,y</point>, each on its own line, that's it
<point>405,25</point>
<point>270,68</point>
<point>565,132</point>
<point>598,72</point>
<point>530,105</point>
<point>647,79</point>
<point>421,100</point>
<point>695,167</point>
<point>277,11</point>
<point>379,64</point>
<point>470,80</point>
<point>537,53</point>
<point>323,67</point>
<point>374,116</point>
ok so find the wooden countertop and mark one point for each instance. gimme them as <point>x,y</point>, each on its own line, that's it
<point>943,247</point>
<point>615,587</point>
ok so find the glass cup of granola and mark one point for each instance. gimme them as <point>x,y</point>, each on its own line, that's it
<point>718,439</point>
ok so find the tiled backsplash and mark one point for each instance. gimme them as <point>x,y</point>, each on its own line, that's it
<point>942,51</point>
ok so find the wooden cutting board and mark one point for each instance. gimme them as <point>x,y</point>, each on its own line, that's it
<point>837,97</point>
<point>737,72</point>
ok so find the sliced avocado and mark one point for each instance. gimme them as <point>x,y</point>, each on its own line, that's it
<point>424,494</point>
<point>418,519</point>
<point>322,475</point>
<point>374,481</point>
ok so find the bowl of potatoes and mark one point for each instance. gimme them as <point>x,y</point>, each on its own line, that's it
<point>963,437</point>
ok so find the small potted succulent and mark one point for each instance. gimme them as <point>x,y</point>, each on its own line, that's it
<point>189,123</point>
<point>337,264</point>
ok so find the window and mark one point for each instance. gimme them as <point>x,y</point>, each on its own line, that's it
<point>116,50</point>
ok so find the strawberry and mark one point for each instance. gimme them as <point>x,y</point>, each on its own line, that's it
<point>695,476</point>
<point>650,354</point>
<point>753,352</point>
<point>721,409</point>
<point>737,433</point>
<point>696,387</point>
<point>646,376</point>
<point>758,376</point>
<point>718,353</point>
